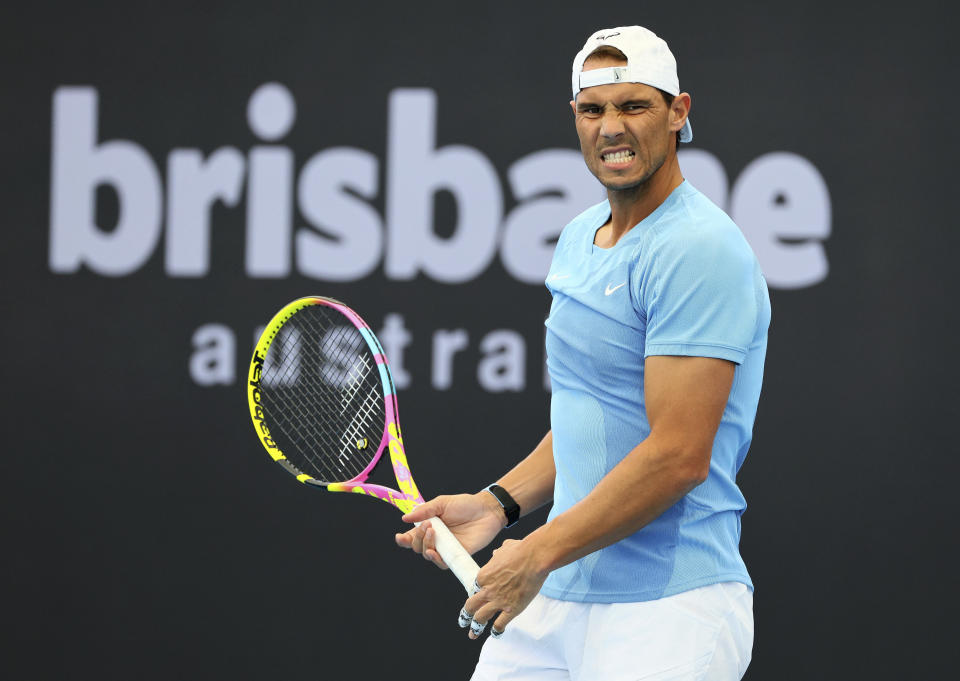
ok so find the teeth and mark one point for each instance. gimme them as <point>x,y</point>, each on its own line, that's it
<point>618,157</point>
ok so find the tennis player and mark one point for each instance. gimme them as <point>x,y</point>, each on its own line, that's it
<point>655,342</point>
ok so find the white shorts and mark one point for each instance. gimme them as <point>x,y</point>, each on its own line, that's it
<point>704,634</point>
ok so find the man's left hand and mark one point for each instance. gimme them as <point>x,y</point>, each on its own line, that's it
<point>507,585</point>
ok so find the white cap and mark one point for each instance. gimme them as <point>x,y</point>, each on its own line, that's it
<point>649,61</point>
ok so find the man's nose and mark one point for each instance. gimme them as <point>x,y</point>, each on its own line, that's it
<point>611,125</point>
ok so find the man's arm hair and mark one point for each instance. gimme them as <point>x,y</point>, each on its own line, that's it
<point>685,399</point>
<point>530,482</point>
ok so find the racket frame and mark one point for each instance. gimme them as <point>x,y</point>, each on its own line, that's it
<point>408,496</point>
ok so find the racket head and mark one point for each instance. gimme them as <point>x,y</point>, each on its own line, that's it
<point>323,402</point>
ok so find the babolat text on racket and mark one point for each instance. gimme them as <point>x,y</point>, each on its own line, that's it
<point>324,407</point>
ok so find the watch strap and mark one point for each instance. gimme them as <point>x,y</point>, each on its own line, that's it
<point>511,509</point>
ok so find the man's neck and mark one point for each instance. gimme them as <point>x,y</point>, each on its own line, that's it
<point>628,207</point>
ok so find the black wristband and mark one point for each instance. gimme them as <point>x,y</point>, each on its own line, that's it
<point>510,507</point>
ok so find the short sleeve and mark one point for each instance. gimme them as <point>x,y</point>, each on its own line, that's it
<point>700,298</point>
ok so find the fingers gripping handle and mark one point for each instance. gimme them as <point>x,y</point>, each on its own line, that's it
<point>454,555</point>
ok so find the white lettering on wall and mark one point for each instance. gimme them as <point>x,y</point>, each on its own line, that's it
<point>503,366</point>
<point>270,114</point>
<point>195,185</point>
<point>780,201</point>
<point>79,165</point>
<point>499,360</point>
<point>530,231</point>
<point>395,338</point>
<point>346,241</point>
<point>706,173</point>
<point>446,344</point>
<point>213,358</point>
<point>416,171</point>
<point>782,204</point>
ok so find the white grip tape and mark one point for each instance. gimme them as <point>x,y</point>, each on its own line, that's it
<point>454,555</point>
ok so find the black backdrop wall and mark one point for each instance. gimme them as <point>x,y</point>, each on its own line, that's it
<point>172,176</point>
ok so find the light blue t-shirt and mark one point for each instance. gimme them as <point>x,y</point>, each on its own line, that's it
<point>683,281</point>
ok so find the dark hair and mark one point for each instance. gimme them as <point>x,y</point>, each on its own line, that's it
<point>606,51</point>
<point>611,52</point>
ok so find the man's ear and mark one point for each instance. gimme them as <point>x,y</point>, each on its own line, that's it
<point>679,111</point>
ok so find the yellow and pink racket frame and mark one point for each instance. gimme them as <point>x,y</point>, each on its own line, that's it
<point>408,497</point>
<point>457,558</point>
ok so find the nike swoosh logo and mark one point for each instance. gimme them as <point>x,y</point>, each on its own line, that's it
<point>558,276</point>
<point>611,289</point>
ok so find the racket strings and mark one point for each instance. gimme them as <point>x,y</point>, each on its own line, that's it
<point>322,395</point>
<point>325,428</point>
<point>319,427</point>
<point>314,425</point>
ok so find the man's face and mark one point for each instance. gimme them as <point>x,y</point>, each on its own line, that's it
<point>624,128</point>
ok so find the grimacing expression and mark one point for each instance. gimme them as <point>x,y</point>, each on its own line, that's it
<point>624,129</point>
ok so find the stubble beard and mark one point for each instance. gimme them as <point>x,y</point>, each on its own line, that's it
<point>635,186</point>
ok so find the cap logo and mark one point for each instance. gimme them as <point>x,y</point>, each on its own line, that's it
<point>608,35</point>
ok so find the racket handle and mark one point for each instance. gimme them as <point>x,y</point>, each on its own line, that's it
<point>460,562</point>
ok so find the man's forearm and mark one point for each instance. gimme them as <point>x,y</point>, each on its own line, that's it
<point>530,482</point>
<point>685,399</point>
<point>650,479</point>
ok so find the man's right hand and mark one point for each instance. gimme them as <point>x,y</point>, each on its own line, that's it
<point>474,519</point>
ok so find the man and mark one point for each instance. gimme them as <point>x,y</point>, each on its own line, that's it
<point>655,343</point>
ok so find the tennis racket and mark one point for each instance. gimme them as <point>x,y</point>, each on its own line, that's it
<point>324,407</point>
